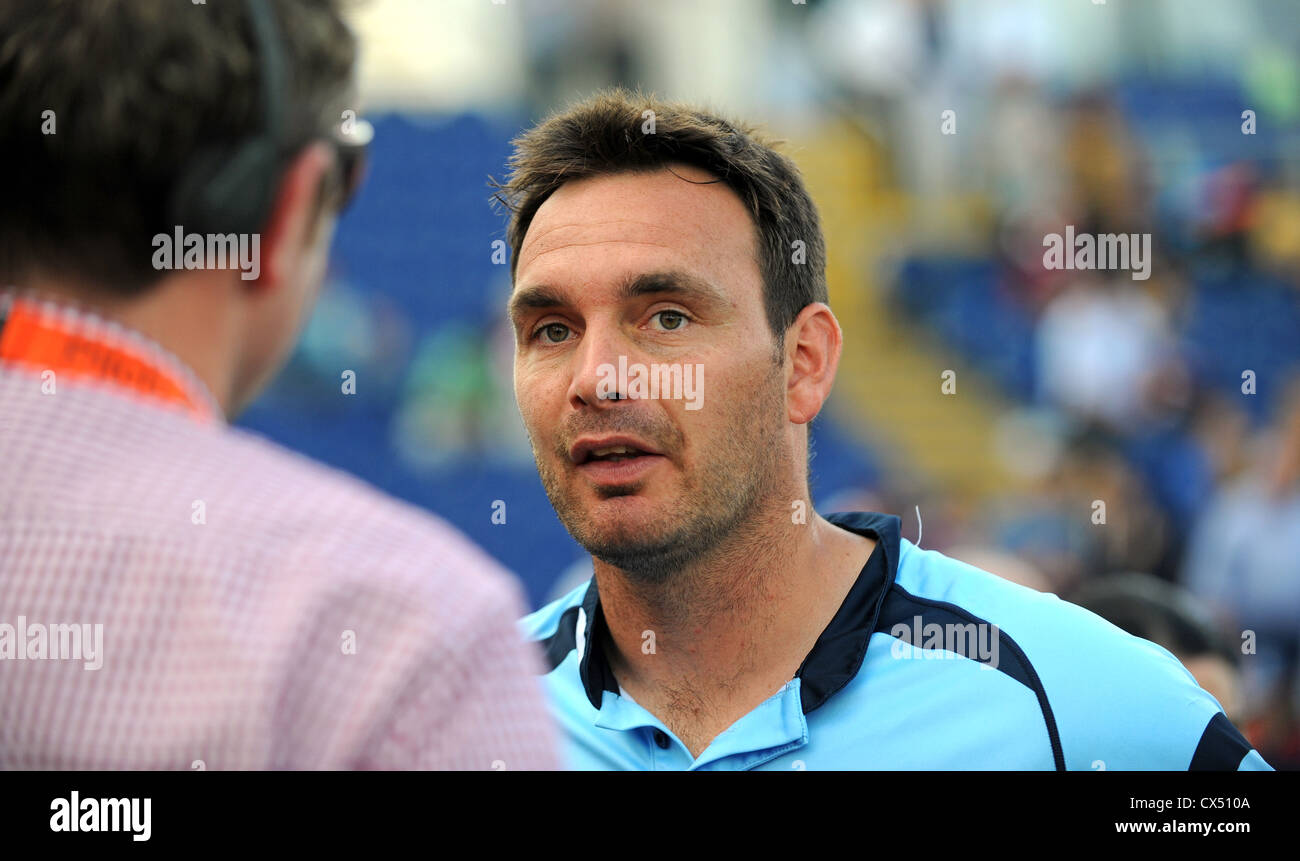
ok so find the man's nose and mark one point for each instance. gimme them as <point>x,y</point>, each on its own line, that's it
<point>595,380</point>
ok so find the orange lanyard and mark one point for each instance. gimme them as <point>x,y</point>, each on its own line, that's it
<point>33,333</point>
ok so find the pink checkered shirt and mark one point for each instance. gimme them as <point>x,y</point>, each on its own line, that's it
<point>258,610</point>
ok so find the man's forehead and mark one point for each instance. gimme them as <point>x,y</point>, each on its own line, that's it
<point>682,213</point>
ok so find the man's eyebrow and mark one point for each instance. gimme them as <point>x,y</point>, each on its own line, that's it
<point>676,283</point>
<point>539,296</point>
<point>682,284</point>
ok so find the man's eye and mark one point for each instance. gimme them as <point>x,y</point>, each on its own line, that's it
<point>671,320</point>
<point>553,333</point>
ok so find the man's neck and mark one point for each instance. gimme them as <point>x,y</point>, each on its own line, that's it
<point>190,320</point>
<point>704,649</point>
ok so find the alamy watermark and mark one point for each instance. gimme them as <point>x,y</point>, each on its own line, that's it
<point>181,250</point>
<point>53,642</point>
<point>1130,251</point>
<point>920,640</point>
<point>131,815</point>
<point>637,381</point>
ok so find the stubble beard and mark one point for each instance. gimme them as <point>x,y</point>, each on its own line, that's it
<point>731,486</point>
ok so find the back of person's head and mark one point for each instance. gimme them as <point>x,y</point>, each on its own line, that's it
<point>123,119</point>
<point>1150,608</point>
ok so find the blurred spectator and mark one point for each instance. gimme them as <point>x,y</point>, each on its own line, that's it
<point>1244,560</point>
<point>1101,346</point>
<point>1245,551</point>
<point>1089,514</point>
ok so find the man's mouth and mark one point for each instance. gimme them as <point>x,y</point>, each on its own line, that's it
<point>612,461</point>
<point>614,453</point>
<point>608,448</point>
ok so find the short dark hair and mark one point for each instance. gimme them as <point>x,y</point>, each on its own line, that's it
<point>137,88</point>
<point>609,133</point>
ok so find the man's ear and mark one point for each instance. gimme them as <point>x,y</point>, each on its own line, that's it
<point>813,343</point>
<point>293,211</point>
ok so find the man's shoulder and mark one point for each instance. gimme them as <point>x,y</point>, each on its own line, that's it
<point>1048,630</point>
<point>558,632</point>
<point>321,489</point>
<point>346,526</point>
<point>1113,697</point>
<point>230,495</point>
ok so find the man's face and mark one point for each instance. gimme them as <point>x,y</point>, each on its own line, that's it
<point>653,268</point>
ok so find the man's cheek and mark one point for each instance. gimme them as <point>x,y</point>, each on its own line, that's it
<point>529,409</point>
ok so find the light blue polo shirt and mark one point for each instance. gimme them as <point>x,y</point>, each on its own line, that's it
<point>929,663</point>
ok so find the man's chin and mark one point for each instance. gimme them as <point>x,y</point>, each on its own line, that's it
<point>621,527</point>
<point>645,555</point>
<point>631,514</point>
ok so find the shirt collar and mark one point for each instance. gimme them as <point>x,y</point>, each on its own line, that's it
<point>62,336</point>
<point>837,655</point>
